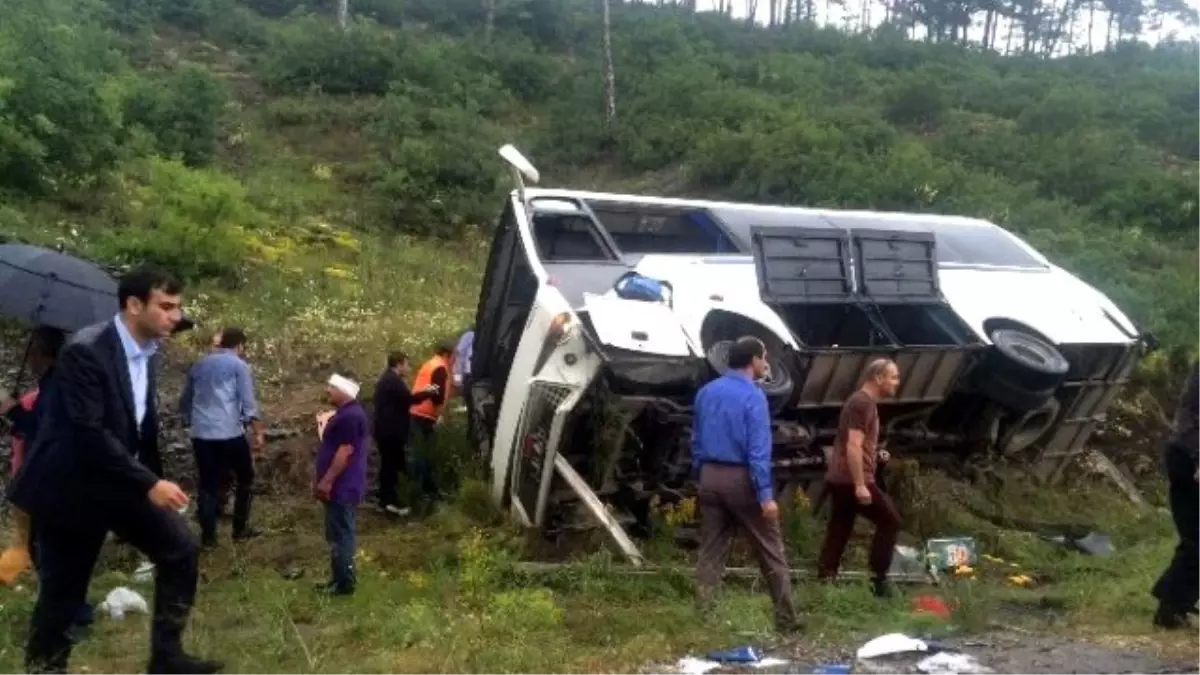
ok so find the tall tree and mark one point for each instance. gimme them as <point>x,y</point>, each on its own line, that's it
<point>489,26</point>
<point>610,77</point>
<point>343,13</point>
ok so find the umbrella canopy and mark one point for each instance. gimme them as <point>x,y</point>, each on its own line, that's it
<point>47,288</point>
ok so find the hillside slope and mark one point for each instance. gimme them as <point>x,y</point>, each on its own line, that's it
<point>237,144</point>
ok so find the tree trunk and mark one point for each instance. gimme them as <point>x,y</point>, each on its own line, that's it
<point>343,13</point>
<point>751,11</point>
<point>987,27</point>
<point>772,11</point>
<point>1091,25</point>
<point>610,78</point>
<point>489,7</point>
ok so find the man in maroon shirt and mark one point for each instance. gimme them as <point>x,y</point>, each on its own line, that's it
<point>850,479</point>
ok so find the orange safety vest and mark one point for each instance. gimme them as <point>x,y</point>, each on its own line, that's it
<point>427,408</point>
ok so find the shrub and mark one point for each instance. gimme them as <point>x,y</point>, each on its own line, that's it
<point>59,111</point>
<point>182,110</point>
<point>189,221</point>
<point>315,53</point>
<point>435,174</point>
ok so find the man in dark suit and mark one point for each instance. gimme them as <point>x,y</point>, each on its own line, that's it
<point>95,467</point>
<point>393,398</point>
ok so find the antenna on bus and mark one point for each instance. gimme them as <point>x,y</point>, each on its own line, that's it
<point>520,168</point>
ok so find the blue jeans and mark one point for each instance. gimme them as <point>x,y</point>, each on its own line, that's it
<point>339,534</point>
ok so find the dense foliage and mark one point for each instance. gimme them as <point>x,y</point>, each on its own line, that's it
<point>162,124</point>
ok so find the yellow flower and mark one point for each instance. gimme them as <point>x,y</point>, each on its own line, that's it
<point>1020,580</point>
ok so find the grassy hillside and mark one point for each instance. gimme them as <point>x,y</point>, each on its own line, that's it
<point>332,191</point>
<point>247,143</point>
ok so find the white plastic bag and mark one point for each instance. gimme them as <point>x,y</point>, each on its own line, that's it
<point>892,643</point>
<point>121,600</point>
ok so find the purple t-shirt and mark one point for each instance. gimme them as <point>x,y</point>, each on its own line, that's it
<point>348,426</point>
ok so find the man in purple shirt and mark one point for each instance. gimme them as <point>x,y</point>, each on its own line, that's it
<point>341,479</point>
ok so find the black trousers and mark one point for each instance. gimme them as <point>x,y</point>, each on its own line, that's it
<point>426,430</point>
<point>214,459</point>
<point>391,464</point>
<point>1179,586</point>
<point>67,552</point>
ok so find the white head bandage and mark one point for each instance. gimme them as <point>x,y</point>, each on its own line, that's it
<point>344,385</point>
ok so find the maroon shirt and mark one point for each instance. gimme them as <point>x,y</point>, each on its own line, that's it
<point>859,413</point>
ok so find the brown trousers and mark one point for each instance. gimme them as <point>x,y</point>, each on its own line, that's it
<point>844,509</point>
<point>727,504</point>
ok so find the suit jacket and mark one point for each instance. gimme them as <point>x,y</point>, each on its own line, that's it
<point>392,400</point>
<point>89,452</point>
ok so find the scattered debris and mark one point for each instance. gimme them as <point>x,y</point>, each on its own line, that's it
<point>144,573</point>
<point>906,560</point>
<point>690,665</point>
<point>1022,580</point>
<point>950,663</point>
<point>736,655</point>
<point>1094,543</point>
<point>1099,545</point>
<point>892,643</point>
<point>931,604</point>
<point>122,600</point>
<point>949,553</point>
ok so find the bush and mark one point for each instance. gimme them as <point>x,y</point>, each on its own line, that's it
<point>189,221</point>
<point>182,111</point>
<point>315,53</point>
<point>435,174</point>
<point>59,108</point>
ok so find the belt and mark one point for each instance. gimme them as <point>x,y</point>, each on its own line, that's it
<point>722,463</point>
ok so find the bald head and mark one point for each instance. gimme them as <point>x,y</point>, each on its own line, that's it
<point>881,378</point>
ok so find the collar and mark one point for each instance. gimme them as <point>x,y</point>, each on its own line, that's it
<point>133,349</point>
<point>739,375</point>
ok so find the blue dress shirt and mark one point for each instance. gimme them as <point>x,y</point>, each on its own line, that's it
<point>731,424</point>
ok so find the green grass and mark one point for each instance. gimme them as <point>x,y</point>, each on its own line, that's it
<point>444,595</point>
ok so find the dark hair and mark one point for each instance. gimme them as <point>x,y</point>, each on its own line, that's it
<point>446,347</point>
<point>232,337</point>
<point>396,358</point>
<point>142,281</point>
<point>743,352</point>
<point>47,341</point>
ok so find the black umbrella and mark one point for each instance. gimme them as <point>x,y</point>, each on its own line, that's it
<point>48,288</point>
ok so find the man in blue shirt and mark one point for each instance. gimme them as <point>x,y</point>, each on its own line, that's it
<point>731,451</point>
<point>218,402</point>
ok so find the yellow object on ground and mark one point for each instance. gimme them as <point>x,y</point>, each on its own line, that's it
<point>15,559</point>
<point>1021,580</point>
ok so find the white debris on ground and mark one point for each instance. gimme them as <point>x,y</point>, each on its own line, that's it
<point>951,663</point>
<point>121,601</point>
<point>892,643</point>
<point>692,666</point>
<point>144,573</point>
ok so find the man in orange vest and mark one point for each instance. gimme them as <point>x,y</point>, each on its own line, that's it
<point>434,375</point>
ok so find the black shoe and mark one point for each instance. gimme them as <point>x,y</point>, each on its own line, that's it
<point>1170,618</point>
<point>881,588</point>
<point>208,541</point>
<point>182,663</point>
<point>247,534</point>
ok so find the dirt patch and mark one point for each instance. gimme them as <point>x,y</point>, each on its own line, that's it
<point>999,652</point>
<point>1008,652</point>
